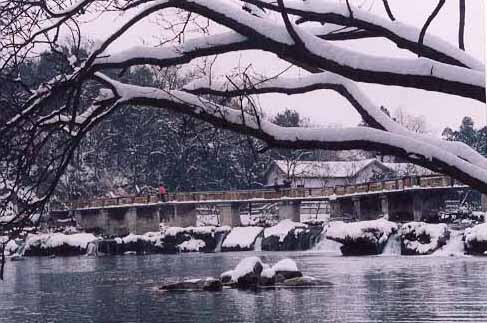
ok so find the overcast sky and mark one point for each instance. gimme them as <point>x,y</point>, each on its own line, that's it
<point>327,108</point>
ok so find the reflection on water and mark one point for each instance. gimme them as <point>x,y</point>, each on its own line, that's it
<point>366,289</point>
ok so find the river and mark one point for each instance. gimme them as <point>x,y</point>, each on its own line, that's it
<point>363,289</point>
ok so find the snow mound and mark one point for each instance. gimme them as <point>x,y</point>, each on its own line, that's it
<point>53,240</point>
<point>241,238</point>
<point>191,245</point>
<point>282,229</point>
<point>419,238</point>
<point>285,265</point>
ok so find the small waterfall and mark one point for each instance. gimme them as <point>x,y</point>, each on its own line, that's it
<point>393,246</point>
<point>92,249</point>
<point>218,247</point>
<point>454,246</point>
<point>328,246</point>
<point>258,244</point>
<point>20,251</point>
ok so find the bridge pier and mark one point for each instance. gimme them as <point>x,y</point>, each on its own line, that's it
<point>147,220</point>
<point>179,215</point>
<point>384,206</point>
<point>335,210</point>
<point>357,213</point>
<point>230,214</point>
<point>483,202</point>
<point>418,202</point>
<point>290,210</point>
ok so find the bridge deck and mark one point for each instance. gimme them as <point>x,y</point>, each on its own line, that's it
<point>268,196</point>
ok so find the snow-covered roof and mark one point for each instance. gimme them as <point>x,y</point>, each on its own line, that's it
<point>405,169</point>
<point>336,169</point>
<point>319,169</point>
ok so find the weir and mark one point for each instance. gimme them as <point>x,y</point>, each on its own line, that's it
<point>405,199</point>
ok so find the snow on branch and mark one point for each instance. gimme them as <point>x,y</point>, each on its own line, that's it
<point>411,148</point>
<point>273,37</point>
<point>327,80</point>
<point>172,55</point>
<point>403,35</point>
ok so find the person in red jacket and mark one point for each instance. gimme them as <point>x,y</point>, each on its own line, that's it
<point>162,193</point>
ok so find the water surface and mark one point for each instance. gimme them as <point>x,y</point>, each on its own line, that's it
<point>363,289</point>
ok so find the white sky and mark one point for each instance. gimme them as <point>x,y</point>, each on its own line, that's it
<point>327,108</point>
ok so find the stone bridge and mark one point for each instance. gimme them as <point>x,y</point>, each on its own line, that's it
<point>404,199</point>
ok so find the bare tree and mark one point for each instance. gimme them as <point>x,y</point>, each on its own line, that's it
<point>44,125</point>
<point>409,121</point>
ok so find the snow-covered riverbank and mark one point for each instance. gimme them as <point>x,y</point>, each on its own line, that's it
<point>372,237</point>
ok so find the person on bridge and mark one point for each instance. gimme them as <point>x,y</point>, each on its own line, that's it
<point>162,192</point>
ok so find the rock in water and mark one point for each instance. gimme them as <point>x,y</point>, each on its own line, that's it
<point>245,275</point>
<point>208,284</point>
<point>361,238</point>
<point>248,274</point>
<point>212,285</point>
<point>304,281</point>
<point>226,277</point>
<point>419,238</point>
<point>267,277</point>
<point>286,269</point>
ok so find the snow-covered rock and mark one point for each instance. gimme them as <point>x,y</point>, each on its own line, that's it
<point>361,238</point>
<point>241,238</point>
<point>420,238</point>
<point>289,235</point>
<point>246,274</point>
<point>282,229</point>
<point>476,239</point>
<point>57,244</point>
<point>149,242</point>
<point>11,247</point>
<point>251,272</point>
<point>286,269</point>
<point>282,270</point>
<point>192,245</point>
<point>210,235</point>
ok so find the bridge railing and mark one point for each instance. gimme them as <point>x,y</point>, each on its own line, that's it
<point>248,195</point>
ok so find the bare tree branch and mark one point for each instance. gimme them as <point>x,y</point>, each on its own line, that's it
<point>430,19</point>
<point>461,26</point>
<point>388,10</point>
